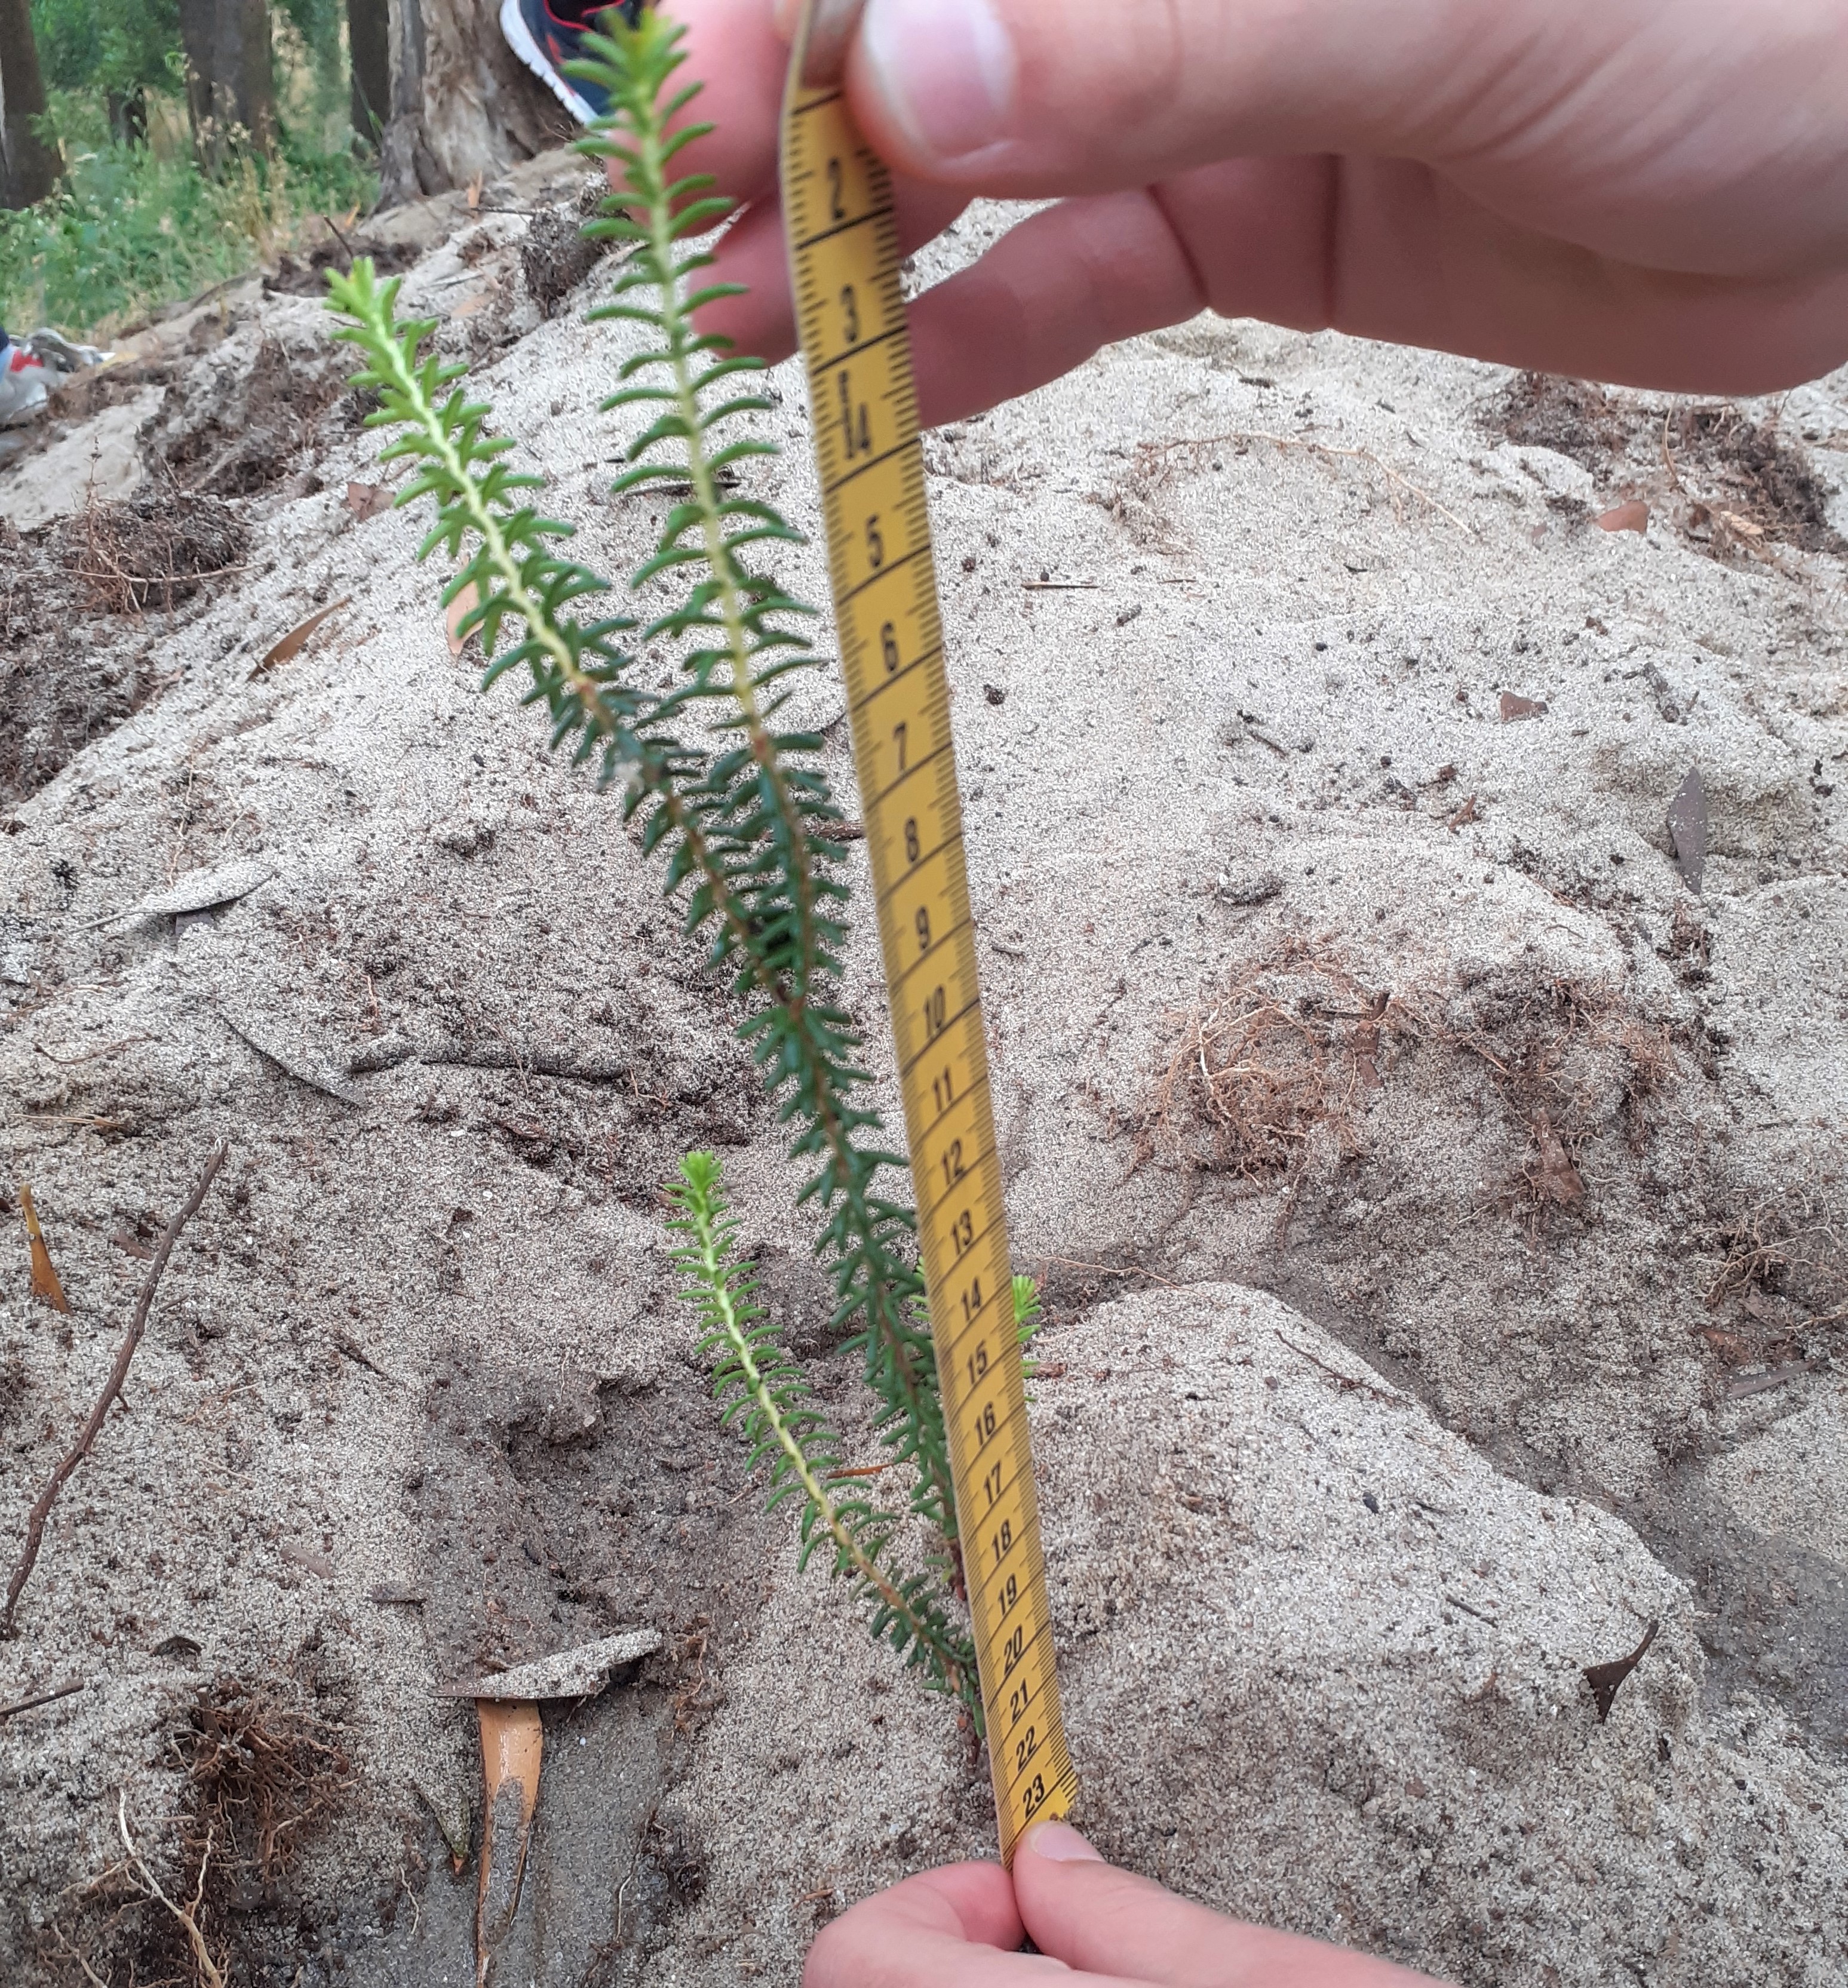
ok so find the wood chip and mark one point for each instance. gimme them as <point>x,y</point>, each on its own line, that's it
<point>1631,517</point>
<point>1514,707</point>
<point>397,1594</point>
<point>295,641</point>
<point>512,1744</point>
<point>1762,1383</point>
<point>44,1278</point>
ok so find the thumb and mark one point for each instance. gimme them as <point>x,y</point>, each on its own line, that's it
<point>1032,97</point>
<point>1099,1920</point>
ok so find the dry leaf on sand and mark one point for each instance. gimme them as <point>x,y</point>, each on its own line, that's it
<point>1631,517</point>
<point>296,639</point>
<point>460,609</point>
<point>367,500</point>
<point>44,1278</point>
<point>1560,1179</point>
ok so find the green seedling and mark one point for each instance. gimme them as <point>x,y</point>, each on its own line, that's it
<point>735,802</point>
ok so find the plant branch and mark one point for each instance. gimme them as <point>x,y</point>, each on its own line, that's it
<point>633,67</point>
<point>754,1363</point>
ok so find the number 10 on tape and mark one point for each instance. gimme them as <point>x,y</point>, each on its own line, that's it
<point>843,254</point>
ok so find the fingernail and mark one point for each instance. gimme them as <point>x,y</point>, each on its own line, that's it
<point>1059,1843</point>
<point>945,69</point>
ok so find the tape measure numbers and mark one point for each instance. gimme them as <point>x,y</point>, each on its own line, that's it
<point>844,255</point>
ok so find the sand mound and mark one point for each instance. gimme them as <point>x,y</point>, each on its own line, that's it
<point>1440,1203</point>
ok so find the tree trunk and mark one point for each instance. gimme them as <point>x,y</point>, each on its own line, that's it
<point>369,40</point>
<point>463,107</point>
<point>128,116</point>
<point>31,166</point>
<point>230,81</point>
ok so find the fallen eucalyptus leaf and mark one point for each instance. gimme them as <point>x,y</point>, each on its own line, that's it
<point>579,1672</point>
<point>367,500</point>
<point>328,1081</point>
<point>1687,826</point>
<point>205,890</point>
<point>459,610</point>
<point>44,1278</point>
<point>1604,1679</point>
<point>293,644</point>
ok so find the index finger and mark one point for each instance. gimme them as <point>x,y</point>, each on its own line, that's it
<point>733,48</point>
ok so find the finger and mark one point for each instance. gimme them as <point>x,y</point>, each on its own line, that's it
<point>1101,1920</point>
<point>1068,95</point>
<point>734,49</point>
<point>919,1933</point>
<point>1379,250</point>
<point>1606,119</point>
<point>754,253</point>
<point>1389,249</point>
<point>1053,290</point>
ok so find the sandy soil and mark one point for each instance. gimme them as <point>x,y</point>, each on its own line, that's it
<point>1439,1199</point>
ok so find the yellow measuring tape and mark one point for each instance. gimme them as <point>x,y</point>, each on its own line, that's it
<point>844,256</point>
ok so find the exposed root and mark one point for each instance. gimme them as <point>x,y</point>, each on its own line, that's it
<point>1776,1250</point>
<point>206,1967</point>
<point>262,1772</point>
<point>1270,1081</point>
<point>1269,1072</point>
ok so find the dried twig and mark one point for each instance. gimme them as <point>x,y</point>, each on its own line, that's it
<point>41,1698</point>
<point>1346,1382</point>
<point>112,1388</point>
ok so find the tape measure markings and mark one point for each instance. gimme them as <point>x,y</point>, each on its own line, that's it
<point>845,256</point>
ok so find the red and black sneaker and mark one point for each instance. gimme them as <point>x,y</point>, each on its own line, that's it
<point>548,34</point>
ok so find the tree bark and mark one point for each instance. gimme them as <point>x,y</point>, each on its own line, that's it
<point>230,80</point>
<point>463,107</point>
<point>369,41</point>
<point>31,167</point>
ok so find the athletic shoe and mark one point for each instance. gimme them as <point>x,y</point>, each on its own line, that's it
<point>24,382</point>
<point>548,34</point>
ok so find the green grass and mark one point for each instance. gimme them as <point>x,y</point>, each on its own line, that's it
<point>128,231</point>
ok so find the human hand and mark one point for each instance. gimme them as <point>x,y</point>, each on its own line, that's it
<point>962,1927</point>
<point>1649,194</point>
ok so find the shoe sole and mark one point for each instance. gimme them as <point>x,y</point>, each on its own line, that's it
<point>519,38</point>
